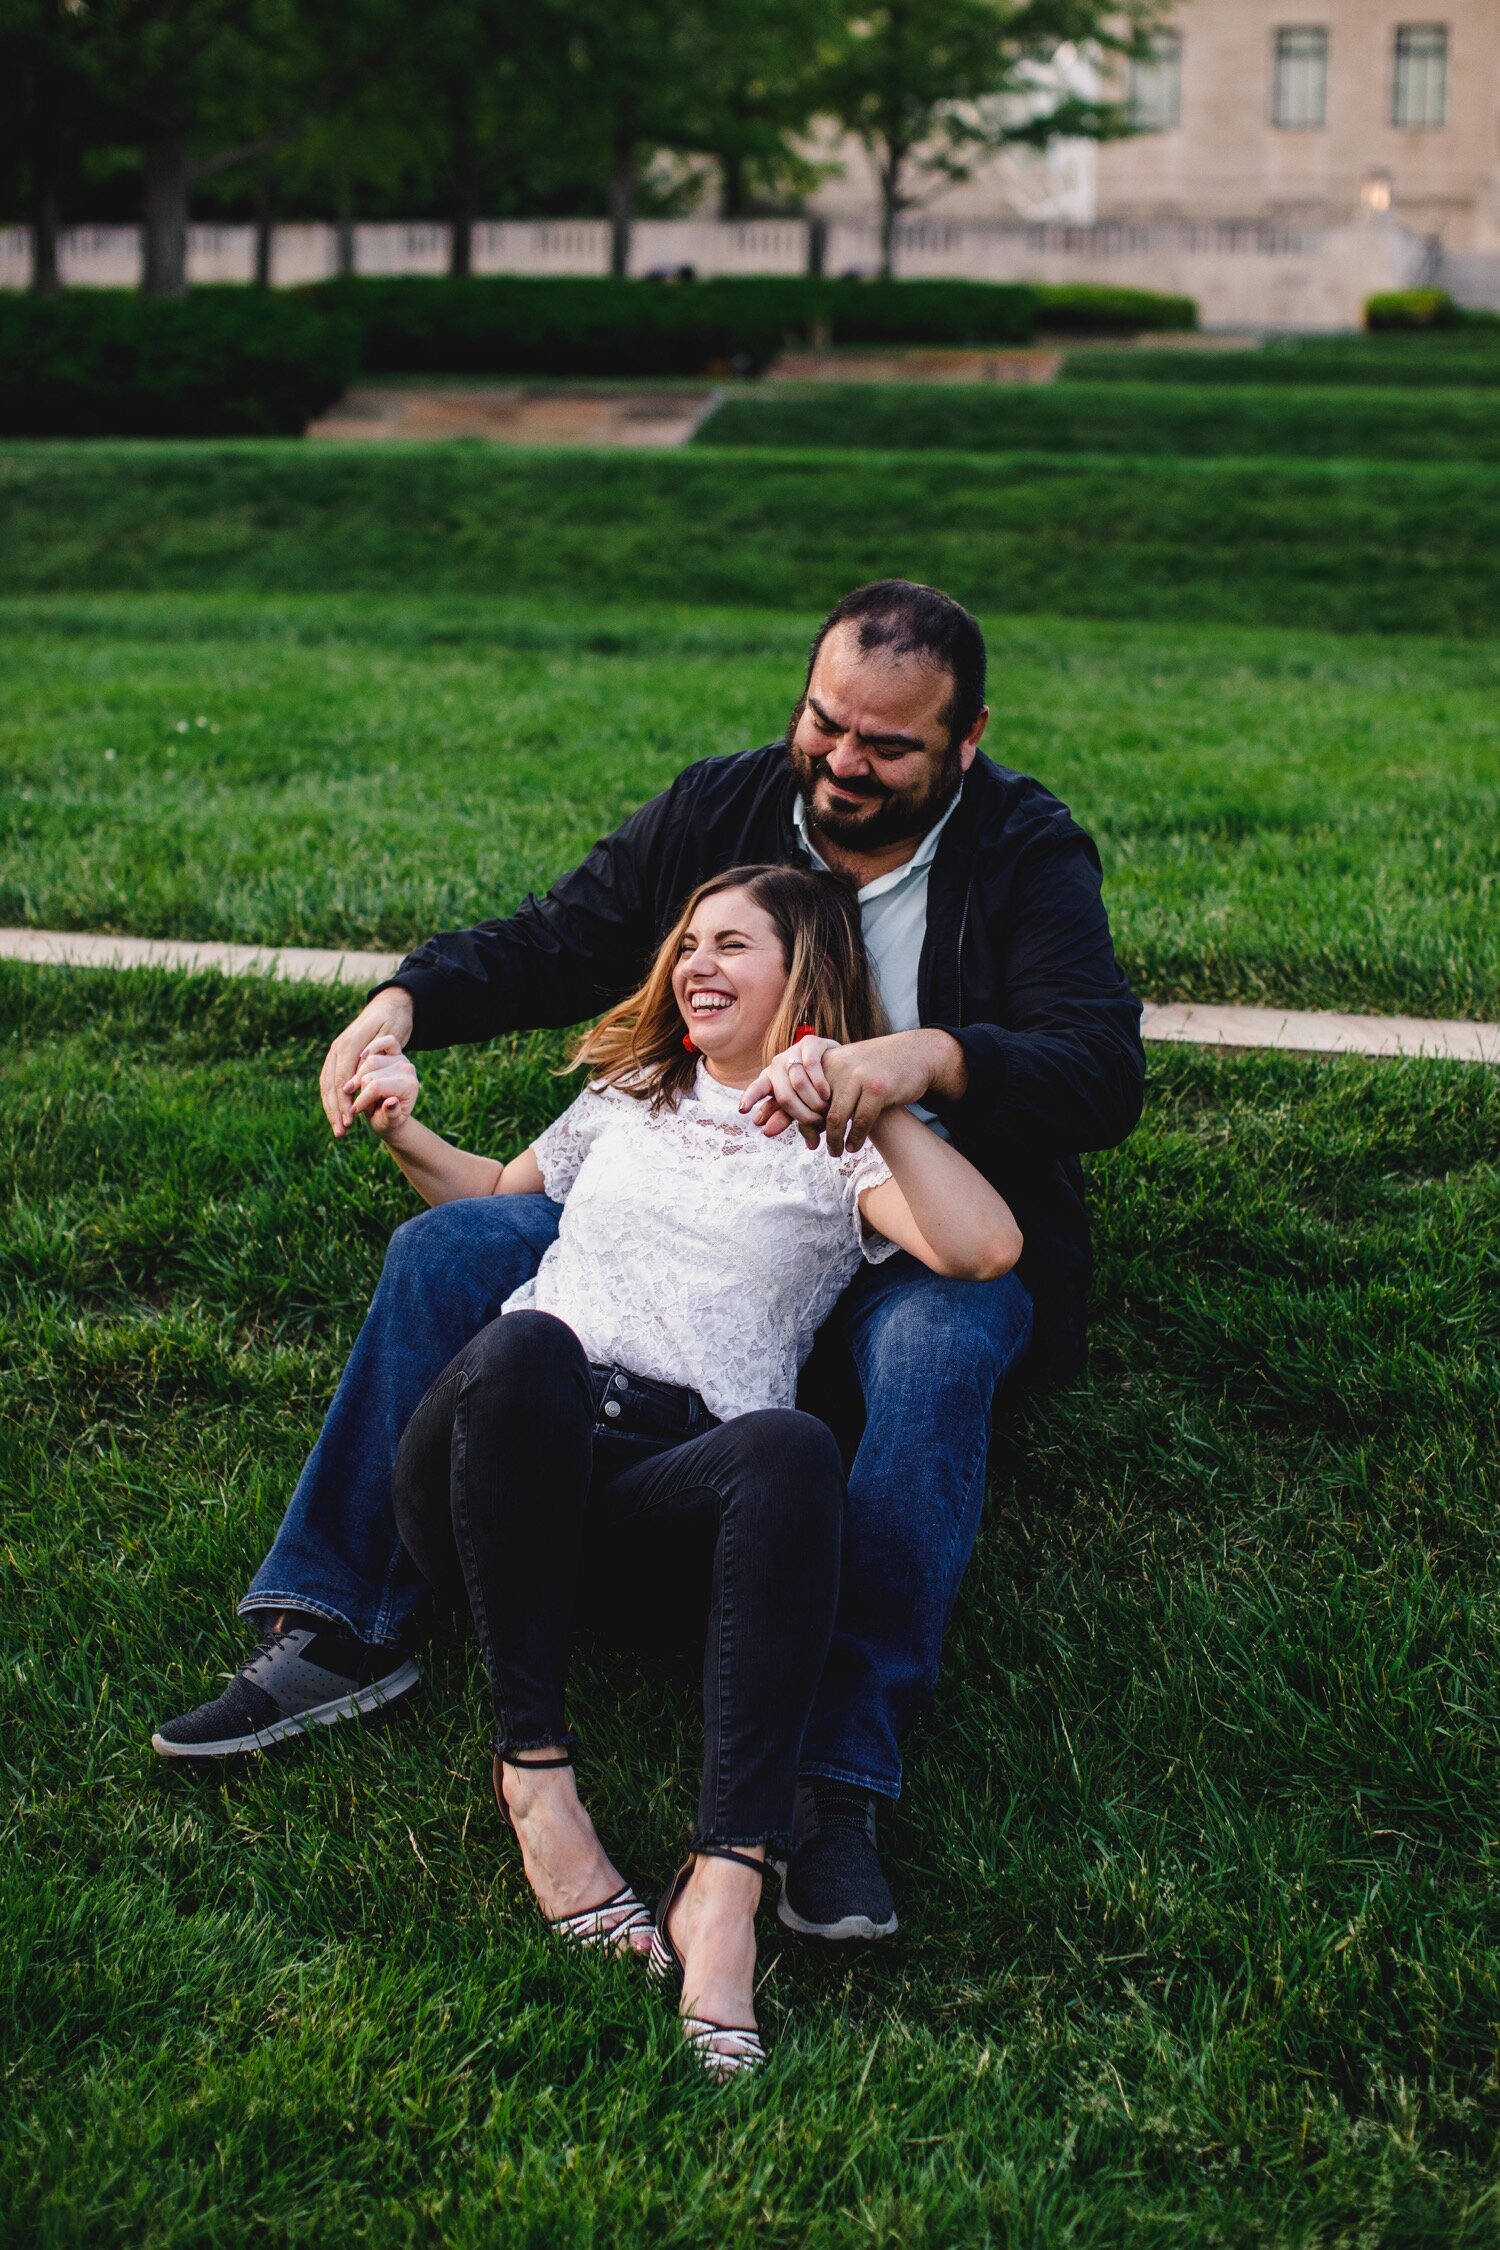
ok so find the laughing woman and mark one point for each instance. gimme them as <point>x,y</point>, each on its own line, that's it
<point>644,1381</point>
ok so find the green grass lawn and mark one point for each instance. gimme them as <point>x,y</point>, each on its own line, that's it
<point>1141,419</point>
<point>1198,1861</point>
<point>1350,546</point>
<point>1198,1858</point>
<point>1298,818</point>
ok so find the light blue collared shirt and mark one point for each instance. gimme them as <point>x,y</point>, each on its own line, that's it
<point>893,915</point>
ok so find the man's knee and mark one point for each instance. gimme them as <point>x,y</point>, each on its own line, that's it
<point>453,1246</point>
<point>422,1244</point>
<point>944,1342</point>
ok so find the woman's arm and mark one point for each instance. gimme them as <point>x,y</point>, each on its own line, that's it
<point>936,1205</point>
<point>385,1087</point>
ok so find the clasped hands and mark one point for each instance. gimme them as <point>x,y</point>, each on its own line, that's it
<point>838,1093</point>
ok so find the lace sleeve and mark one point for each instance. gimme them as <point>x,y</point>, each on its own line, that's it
<point>561,1149</point>
<point>866,1169</point>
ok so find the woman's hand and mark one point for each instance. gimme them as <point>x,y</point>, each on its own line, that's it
<point>384,1087</point>
<point>793,1089</point>
<point>389,1012</point>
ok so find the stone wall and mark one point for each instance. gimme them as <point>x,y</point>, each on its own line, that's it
<point>1240,276</point>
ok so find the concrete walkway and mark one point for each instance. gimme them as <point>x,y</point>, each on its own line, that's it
<point>517,414</point>
<point>1295,1030</point>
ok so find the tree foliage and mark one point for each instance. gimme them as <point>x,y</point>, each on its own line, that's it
<point>472,106</point>
<point>930,87</point>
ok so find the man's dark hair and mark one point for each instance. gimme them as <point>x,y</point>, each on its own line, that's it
<point>905,619</point>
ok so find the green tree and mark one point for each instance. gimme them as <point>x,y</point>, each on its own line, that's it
<point>929,87</point>
<point>752,84</point>
<point>483,96</point>
<point>207,87</point>
<point>46,115</point>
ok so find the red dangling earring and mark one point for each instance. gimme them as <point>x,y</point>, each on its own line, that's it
<point>687,1041</point>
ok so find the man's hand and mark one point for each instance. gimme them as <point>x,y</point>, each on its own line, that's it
<point>867,1077</point>
<point>388,1016</point>
<point>793,1089</point>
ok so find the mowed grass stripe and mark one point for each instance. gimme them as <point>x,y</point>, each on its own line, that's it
<point>1348,546</point>
<point>1196,1861</point>
<point>1459,359</point>
<point>1210,421</point>
<point>1289,819</point>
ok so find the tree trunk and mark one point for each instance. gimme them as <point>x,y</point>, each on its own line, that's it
<point>265,227</point>
<point>622,197</point>
<point>46,281</point>
<point>890,212</point>
<point>343,224</point>
<point>165,218</point>
<point>461,196</point>
<point>732,191</point>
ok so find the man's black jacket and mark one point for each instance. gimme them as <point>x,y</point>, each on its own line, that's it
<point>1017,964</point>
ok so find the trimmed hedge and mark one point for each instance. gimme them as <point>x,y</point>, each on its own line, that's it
<point>508,324</point>
<point>1086,308</point>
<point>1139,419</point>
<point>1461,359</point>
<point>218,363</point>
<point>1411,308</point>
<point>1422,312</point>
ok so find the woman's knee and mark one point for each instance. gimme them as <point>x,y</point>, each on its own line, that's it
<point>790,1465</point>
<point>525,1353</point>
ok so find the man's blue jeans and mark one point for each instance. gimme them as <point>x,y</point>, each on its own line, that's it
<point>929,1354</point>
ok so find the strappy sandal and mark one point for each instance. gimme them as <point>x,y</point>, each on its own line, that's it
<point>615,1920</point>
<point>723,2049</point>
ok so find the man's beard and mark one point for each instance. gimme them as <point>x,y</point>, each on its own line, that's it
<point>883,817</point>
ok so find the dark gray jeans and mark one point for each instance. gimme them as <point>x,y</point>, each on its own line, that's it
<point>512,1461</point>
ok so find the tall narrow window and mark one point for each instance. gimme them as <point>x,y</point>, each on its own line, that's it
<point>1420,88</point>
<point>1299,86</point>
<point>1155,103</point>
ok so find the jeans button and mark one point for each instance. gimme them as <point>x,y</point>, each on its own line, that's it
<point>620,1383</point>
<point>612,1408</point>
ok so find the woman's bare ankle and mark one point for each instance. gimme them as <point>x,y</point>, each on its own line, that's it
<point>713,1927</point>
<point>566,1865</point>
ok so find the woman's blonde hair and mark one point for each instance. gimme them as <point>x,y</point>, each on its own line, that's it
<point>639,1047</point>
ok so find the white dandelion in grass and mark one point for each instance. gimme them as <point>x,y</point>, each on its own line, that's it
<point>111,754</point>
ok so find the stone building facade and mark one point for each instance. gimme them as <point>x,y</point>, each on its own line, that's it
<point>1308,111</point>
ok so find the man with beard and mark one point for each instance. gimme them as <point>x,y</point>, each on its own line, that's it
<point>1011,1029</point>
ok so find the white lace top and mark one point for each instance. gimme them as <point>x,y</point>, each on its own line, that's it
<point>692,1249</point>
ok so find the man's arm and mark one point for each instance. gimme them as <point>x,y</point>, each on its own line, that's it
<point>556,960</point>
<point>1065,1071</point>
<point>1063,1074</point>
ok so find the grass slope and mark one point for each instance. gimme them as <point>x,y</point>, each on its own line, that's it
<point>1197,1862</point>
<point>1348,546</point>
<point>1420,363</point>
<point>1144,419</point>
<point>1297,818</point>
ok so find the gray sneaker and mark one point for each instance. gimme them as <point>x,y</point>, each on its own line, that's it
<point>304,1674</point>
